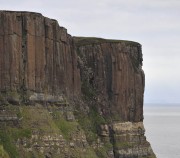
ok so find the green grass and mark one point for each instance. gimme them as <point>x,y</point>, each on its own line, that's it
<point>90,123</point>
<point>89,153</point>
<point>82,41</point>
<point>19,133</point>
<point>38,118</point>
<point>89,128</point>
<point>66,127</point>
<point>3,153</point>
<point>32,118</point>
<point>123,145</point>
<point>102,151</point>
<point>7,141</point>
<point>13,94</point>
<point>10,136</point>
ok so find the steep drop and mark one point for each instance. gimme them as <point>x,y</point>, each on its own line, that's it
<point>69,97</point>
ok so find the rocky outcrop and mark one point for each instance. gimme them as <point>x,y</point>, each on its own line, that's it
<point>129,140</point>
<point>36,54</point>
<point>114,69</point>
<point>63,96</point>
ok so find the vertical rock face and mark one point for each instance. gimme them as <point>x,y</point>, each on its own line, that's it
<point>84,95</point>
<point>36,54</point>
<point>114,69</point>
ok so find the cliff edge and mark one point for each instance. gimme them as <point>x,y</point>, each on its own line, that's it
<point>69,97</point>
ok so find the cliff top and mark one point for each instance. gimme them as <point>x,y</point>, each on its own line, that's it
<point>81,41</point>
<point>27,12</point>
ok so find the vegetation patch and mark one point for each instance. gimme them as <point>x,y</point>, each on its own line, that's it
<point>7,141</point>
<point>2,98</point>
<point>66,127</point>
<point>88,90</point>
<point>89,153</point>
<point>102,151</point>
<point>90,123</point>
<point>37,118</point>
<point>82,41</point>
<point>19,133</point>
<point>122,145</point>
<point>3,153</point>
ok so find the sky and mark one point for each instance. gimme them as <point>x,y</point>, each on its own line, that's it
<point>153,23</point>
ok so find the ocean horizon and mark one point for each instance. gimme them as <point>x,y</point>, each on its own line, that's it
<point>161,122</point>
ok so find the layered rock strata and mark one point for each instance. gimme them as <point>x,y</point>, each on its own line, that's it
<point>113,69</point>
<point>74,96</point>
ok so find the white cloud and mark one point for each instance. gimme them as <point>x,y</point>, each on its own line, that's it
<point>155,24</point>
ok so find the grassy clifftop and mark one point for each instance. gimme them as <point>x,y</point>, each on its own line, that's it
<point>81,41</point>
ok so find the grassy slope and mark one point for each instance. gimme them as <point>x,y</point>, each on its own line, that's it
<point>38,118</point>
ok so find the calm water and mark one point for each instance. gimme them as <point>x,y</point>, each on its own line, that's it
<point>162,125</point>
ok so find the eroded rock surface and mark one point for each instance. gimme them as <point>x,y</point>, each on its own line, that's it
<point>69,97</point>
<point>36,54</point>
<point>114,70</point>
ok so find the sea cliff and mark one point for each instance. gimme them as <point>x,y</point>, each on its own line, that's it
<point>69,97</point>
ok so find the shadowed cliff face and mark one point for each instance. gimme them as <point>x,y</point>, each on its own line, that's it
<point>112,70</point>
<point>75,96</point>
<point>115,71</point>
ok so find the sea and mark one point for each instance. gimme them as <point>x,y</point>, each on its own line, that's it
<point>162,124</point>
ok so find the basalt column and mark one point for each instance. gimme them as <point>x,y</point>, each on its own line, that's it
<point>36,54</point>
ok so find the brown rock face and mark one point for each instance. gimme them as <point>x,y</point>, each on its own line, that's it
<point>114,69</point>
<point>36,54</point>
<point>92,89</point>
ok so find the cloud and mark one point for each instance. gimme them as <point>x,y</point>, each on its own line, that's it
<point>155,24</point>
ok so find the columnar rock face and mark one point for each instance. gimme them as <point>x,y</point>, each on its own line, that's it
<point>115,71</point>
<point>74,96</point>
<point>36,54</point>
